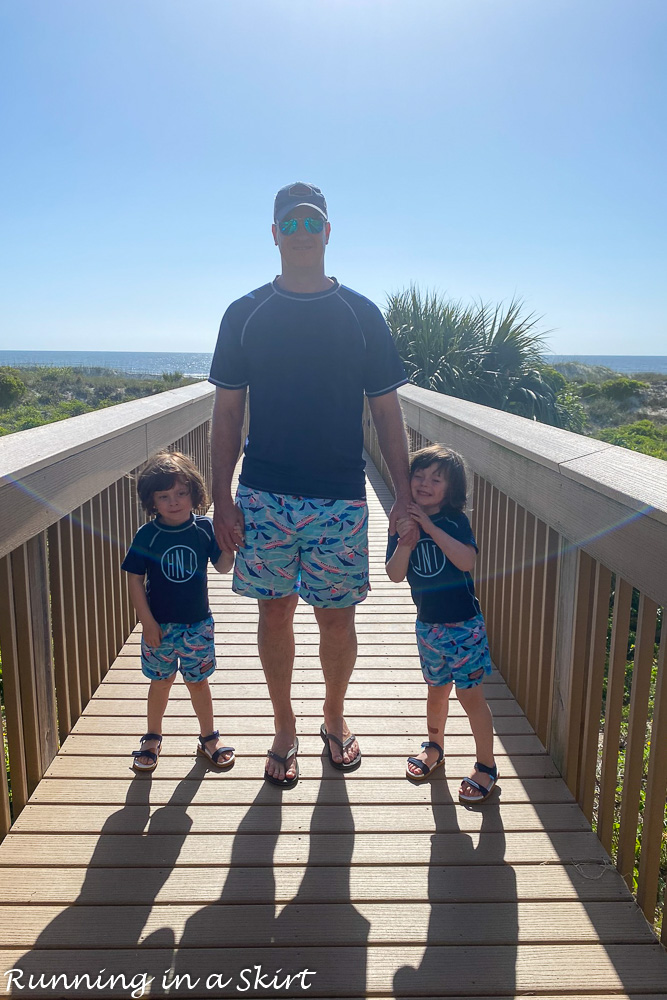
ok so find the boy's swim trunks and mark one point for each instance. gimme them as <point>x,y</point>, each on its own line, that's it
<point>188,648</point>
<point>458,652</point>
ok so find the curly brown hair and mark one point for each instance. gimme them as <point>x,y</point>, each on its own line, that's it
<point>162,471</point>
<point>452,467</point>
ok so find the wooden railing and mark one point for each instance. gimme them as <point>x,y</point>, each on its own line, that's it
<point>68,509</point>
<point>573,536</point>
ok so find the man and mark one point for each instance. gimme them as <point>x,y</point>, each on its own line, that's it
<point>308,349</point>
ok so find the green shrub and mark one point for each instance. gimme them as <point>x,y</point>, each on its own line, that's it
<point>621,389</point>
<point>643,436</point>
<point>11,389</point>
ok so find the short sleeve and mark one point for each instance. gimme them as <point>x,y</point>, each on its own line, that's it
<point>229,367</point>
<point>136,560</point>
<point>466,535</point>
<point>383,369</point>
<point>392,544</point>
<point>214,551</point>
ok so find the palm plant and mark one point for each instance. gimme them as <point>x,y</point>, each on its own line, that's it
<point>487,355</point>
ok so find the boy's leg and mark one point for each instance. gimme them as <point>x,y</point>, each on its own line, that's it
<point>158,696</point>
<point>481,723</point>
<point>437,707</point>
<point>202,702</point>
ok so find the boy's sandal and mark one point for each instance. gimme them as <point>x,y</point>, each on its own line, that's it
<point>284,782</point>
<point>340,765</point>
<point>422,765</point>
<point>214,757</point>
<point>493,774</point>
<point>151,754</point>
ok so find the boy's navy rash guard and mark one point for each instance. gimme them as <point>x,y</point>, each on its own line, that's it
<point>175,560</point>
<point>308,360</point>
<point>443,593</point>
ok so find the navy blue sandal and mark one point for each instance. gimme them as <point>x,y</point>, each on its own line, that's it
<point>214,757</point>
<point>151,754</point>
<point>340,765</point>
<point>422,765</point>
<point>284,782</point>
<point>493,774</point>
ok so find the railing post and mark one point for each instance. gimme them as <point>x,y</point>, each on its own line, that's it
<point>571,660</point>
<point>33,639</point>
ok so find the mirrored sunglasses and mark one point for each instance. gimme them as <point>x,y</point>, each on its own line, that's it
<point>289,226</point>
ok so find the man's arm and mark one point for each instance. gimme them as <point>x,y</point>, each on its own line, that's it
<point>388,421</point>
<point>228,412</point>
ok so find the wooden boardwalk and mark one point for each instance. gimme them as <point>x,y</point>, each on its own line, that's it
<point>376,886</point>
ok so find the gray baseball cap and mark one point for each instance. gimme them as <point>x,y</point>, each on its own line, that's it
<point>293,195</point>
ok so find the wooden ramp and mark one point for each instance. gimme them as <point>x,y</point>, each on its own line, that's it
<point>356,886</point>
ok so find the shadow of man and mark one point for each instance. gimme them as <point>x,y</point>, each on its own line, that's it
<point>471,941</point>
<point>238,946</point>
<point>102,929</point>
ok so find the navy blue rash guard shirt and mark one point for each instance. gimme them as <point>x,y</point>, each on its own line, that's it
<point>443,593</point>
<point>174,560</point>
<point>308,360</point>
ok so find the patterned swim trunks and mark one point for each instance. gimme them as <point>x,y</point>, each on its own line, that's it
<point>188,648</point>
<point>299,545</point>
<point>458,653</point>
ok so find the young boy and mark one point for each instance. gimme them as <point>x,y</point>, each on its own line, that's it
<point>166,564</point>
<point>451,634</point>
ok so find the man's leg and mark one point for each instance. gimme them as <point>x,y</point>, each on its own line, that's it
<point>338,652</point>
<point>275,639</point>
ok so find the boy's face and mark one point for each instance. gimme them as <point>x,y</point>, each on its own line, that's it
<point>174,505</point>
<point>429,488</point>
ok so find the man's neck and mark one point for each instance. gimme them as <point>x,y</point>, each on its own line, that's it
<point>304,280</point>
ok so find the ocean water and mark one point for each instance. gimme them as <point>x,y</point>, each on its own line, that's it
<point>128,362</point>
<point>197,365</point>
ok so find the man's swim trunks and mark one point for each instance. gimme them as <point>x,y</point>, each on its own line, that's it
<point>299,545</point>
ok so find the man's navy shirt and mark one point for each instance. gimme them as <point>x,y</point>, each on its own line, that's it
<point>308,360</point>
<point>443,593</point>
<point>174,560</point>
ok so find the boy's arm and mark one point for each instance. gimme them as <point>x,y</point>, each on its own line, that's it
<point>152,631</point>
<point>397,565</point>
<point>460,553</point>
<point>225,562</point>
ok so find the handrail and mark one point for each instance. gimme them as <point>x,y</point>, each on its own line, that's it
<point>571,531</point>
<point>68,507</point>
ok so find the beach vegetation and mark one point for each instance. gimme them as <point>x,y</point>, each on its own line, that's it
<point>30,397</point>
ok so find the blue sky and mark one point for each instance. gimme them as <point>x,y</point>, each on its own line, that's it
<point>484,148</point>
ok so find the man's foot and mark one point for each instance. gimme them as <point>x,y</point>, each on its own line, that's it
<point>431,755</point>
<point>336,733</point>
<point>486,778</point>
<point>282,744</point>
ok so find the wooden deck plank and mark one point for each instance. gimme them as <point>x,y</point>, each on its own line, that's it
<point>510,923</point>
<point>282,817</point>
<point>159,850</point>
<point>247,767</point>
<point>492,883</point>
<point>393,791</point>
<point>408,971</point>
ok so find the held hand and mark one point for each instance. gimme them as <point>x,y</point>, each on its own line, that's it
<point>152,634</point>
<point>398,512</point>
<point>228,525</point>
<point>421,517</point>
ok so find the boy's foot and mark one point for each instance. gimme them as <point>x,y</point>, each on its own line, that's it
<point>145,759</point>
<point>209,746</point>
<point>482,778</point>
<point>430,756</point>
<point>282,743</point>
<point>336,726</point>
